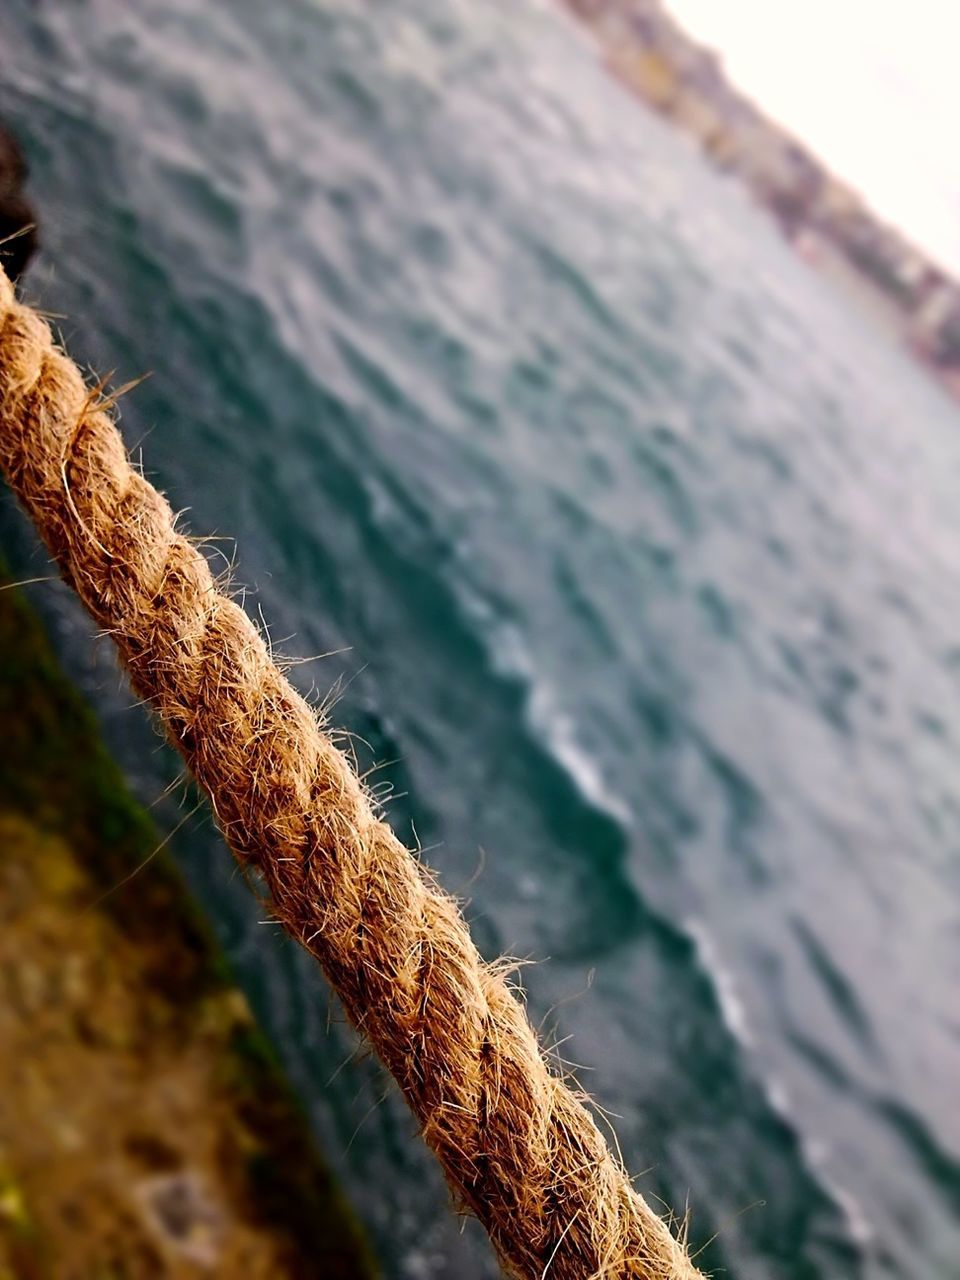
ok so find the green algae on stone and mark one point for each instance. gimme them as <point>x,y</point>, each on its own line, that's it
<point>85,828</point>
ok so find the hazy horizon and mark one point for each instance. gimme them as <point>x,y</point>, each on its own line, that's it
<point>872,88</point>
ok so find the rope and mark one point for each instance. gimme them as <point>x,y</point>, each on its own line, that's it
<point>517,1145</point>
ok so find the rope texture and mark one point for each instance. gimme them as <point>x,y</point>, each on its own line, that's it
<point>516,1143</point>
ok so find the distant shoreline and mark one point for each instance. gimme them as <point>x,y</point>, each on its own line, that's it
<point>825,220</point>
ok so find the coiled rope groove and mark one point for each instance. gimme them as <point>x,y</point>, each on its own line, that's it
<point>517,1145</point>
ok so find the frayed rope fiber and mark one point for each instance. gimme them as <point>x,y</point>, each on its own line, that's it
<point>517,1145</point>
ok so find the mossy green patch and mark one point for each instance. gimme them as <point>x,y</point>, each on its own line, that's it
<point>56,772</point>
<point>55,769</point>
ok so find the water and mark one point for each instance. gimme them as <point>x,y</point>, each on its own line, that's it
<point>638,546</point>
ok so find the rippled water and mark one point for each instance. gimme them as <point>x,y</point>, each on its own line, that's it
<point>644,548</point>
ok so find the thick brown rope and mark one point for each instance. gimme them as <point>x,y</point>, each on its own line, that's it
<point>517,1145</point>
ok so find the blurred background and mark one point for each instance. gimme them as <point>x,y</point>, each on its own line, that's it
<point>584,384</point>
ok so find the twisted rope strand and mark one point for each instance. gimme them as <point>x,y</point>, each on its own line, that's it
<point>517,1145</point>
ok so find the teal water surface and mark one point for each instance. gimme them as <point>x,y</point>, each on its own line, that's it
<point>636,552</point>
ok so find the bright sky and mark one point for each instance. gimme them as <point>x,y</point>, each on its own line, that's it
<point>873,87</point>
